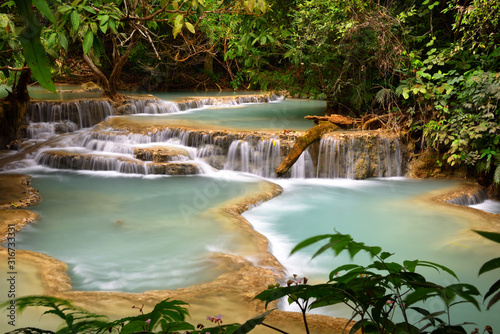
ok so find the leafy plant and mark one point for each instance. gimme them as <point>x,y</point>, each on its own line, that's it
<point>377,293</point>
<point>75,319</point>
<point>168,316</point>
<point>494,291</point>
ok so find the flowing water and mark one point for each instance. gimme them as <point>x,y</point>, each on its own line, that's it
<point>378,212</point>
<point>122,226</point>
<point>132,234</point>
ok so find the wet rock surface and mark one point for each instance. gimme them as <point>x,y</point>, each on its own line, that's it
<point>16,191</point>
<point>161,154</point>
<point>16,194</point>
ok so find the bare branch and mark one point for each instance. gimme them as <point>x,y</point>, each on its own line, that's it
<point>15,69</point>
<point>146,33</point>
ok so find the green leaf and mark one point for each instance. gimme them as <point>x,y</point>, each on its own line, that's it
<point>493,300</point>
<point>75,20</point>
<point>465,291</point>
<point>134,326</point>
<point>52,52</point>
<point>437,266</point>
<point>88,41</point>
<point>357,326</point>
<point>309,242</point>
<point>104,27</point>
<point>103,19</point>
<point>252,323</point>
<point>490,265</point>
<point>490,235</point>
<point>63,41</point>
<point>94,28</point>
<point>33,50</point>
<point>385,255</point>
<point>496,176</point>
<point>421,294</point>
<point>64,9</point>
<point>89,9</point>
<point>42,6</point>
<point>112,24</point>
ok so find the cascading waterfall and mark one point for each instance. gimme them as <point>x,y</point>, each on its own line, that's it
<point>359,157</point>
<point>470,199</point>
<point>303,167</point>
<point>48,118</point>
<point>261,159</point>
<point>151,106</point>
<point>355,157</point>
<point>156,106</point>
<point>84,114</point>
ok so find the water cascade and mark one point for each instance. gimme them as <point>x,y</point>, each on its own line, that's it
<point>107,148</point>
<point>261,159</point>
<point>49,118</point>
<point>359,157</point>
<point>470,199</point>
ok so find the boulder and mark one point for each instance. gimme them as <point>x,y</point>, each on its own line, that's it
<point>161,154</point>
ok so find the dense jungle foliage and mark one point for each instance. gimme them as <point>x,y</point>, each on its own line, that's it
<point>429,69</point>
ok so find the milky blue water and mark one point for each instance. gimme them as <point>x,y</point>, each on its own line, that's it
<point>378,212</point>
<point>132,233</point>
<point>275,116</point>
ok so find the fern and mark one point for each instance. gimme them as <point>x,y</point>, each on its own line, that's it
<point>496,176</point>
<point>76,320</point>
<point>383,96</point>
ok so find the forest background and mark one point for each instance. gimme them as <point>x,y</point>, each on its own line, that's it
<point>427,69</point>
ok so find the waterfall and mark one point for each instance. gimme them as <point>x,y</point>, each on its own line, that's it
<point>157,106</point>
<point>261,159</point>
<point>117,163</point>
<point>226,101</point>
<point>82,113</point>
<point>303,167</point>
<point>358,157</point>
<point>149,106</point>
<point>470,199</point>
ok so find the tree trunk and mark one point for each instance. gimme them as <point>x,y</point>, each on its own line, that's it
<point>98,73</point>
<point>311,136</point>
<point>118,65</point>
<point>13,110</point>
<point>109,85</point>
<point>208,64</point>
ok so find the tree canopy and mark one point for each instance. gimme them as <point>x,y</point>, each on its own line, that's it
<point>431,66</point>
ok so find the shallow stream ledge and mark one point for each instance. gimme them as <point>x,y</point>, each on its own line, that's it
<point>231,294</point>
<point>455,201</point>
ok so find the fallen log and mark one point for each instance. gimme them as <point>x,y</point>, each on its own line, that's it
<point>311,136</point>
<point>339,120</point>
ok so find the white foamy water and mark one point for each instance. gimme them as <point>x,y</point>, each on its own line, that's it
<point>488,206</point>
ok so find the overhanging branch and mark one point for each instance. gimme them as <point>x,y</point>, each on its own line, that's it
<point>15,69</point>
